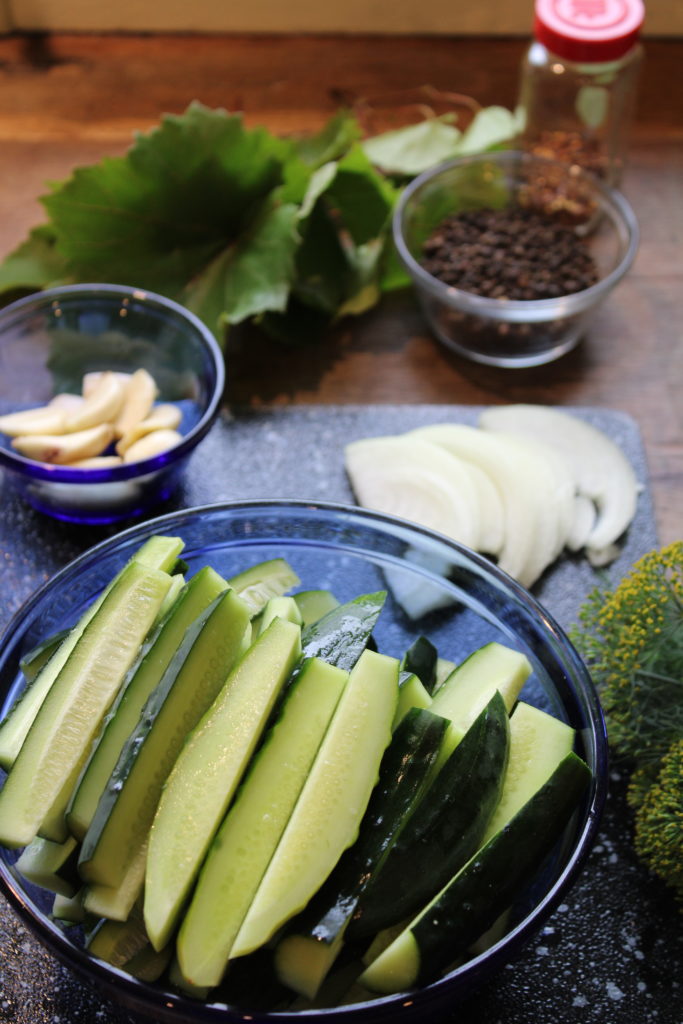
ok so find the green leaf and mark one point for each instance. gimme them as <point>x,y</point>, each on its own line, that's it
<point>34,264</point>
<point>158,215</point>
<point>251,277</point>
<point>361,197</point>
<point>331,143</point>
<point>411,150</point>
<point>490,127</point>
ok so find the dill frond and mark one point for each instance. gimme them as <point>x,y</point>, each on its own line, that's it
<point>659,822</point>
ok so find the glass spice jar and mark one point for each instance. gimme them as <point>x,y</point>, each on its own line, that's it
<point>578,82</point>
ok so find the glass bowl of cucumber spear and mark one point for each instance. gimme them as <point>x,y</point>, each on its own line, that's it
<point>291,761</point>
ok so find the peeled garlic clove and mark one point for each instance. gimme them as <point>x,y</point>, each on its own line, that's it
<point>67,402</point>
<point>97,462</point>
<point>162,417</point>
<point>92,379</point>
<point>62,449</point>
<point>44,420</point>
<point>139,399</point>
<point>102,405</point>
<point>152,444</point>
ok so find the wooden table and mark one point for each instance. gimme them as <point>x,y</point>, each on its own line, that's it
<point>70,100</point>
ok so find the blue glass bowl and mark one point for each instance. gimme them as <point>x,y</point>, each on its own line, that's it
<point>349,551</point>
<point>48,341</point>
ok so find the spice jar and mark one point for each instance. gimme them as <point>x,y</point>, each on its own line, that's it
<point>578,82</point>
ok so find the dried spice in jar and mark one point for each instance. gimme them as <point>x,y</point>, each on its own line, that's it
<point>512,253</point>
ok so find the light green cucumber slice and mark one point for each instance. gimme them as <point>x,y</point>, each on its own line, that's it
<point>470,686</point>
<point>538,743</point>
<point>329,810</point>
<point>251,831</point>
<point>117,942</point>
<point>412,694</point>
<point>42,861</point>
<point>155,658</point>
<point>280,607</point>
<point>69,717</point>
<point>211,647</point>
<point>268,579</point>
<point>68,909</point>
<point>116,902</point>
<point>313,604</point>
<point>39,656</point>
<point>156,553</point>
<point>208,771</point>
<point>149,964</point>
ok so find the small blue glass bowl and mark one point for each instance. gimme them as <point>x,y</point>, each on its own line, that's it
<point>467,602</point>
<point>49,340</point>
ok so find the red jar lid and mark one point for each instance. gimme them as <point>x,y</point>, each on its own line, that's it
<point>588,31</point>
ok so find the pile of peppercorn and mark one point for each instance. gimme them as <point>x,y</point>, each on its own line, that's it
<point>513,253</point>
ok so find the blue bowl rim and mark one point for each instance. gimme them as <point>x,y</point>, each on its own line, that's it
<point>174,1008</point>
<point>518,310</point>
<point>63,474</point>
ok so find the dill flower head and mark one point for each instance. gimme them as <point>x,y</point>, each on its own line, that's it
<point>659,821</point>
<point>632,641</point>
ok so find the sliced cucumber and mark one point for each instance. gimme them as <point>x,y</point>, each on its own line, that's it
<point>445,829</point>
<point>313,604</point>
<point>279,607</point>
<point>117,942</point>
<point>421,659</point>
<point>69,717</point>
<point>116,902</point>
<point>483,888</point>
<point>32,662</point>
<point>252,829</point>
<point>411,694</point>
<point>333,800</point>
<point>156,553</point>
<point>46,864</point>
<point>470,686</point>
<point>211,647</point>
<point>314,939</point>
<point>68,909</point>
<point>258,584</point>
<point>208,770</point>
<point>154,659</point>
<point>341,636</point>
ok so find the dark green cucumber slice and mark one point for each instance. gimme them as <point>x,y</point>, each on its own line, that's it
<point>445,830</point>
<point>196,674</point>
<point>486,885</point>
<point>208,771</point>
<point>155,553</point>
<point>268,579</point>
<point>342,635</point>
<point>313,604</point>
<point>411,694</point>
<point>252,829</point>
<point>313,940</point>
<point>49,865</point>
<point>149,964</point>
<point>332,802</point>
<point>154,659</point>
<point>421,659</point>
<point>57,743</point>
<point>117,942</point>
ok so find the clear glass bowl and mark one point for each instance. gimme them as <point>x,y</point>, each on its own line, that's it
<point>48,341</point>
<point>349,551</point>
<point>507,332</point>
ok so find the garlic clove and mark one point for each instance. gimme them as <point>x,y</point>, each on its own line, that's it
<point>102,405</point>
<point>138,401</point>
<point>62,449</point>
<point>92,379</point>
<point>155,443</point>
<point>44,420</point>
<point>97,462</point>
<point>162,417</point>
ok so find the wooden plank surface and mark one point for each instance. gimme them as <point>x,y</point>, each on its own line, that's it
<point>67,100</point>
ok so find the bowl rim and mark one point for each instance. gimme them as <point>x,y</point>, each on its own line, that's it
<point>128,471</point>
<point>535,310</point>
<point>171,1006</point>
